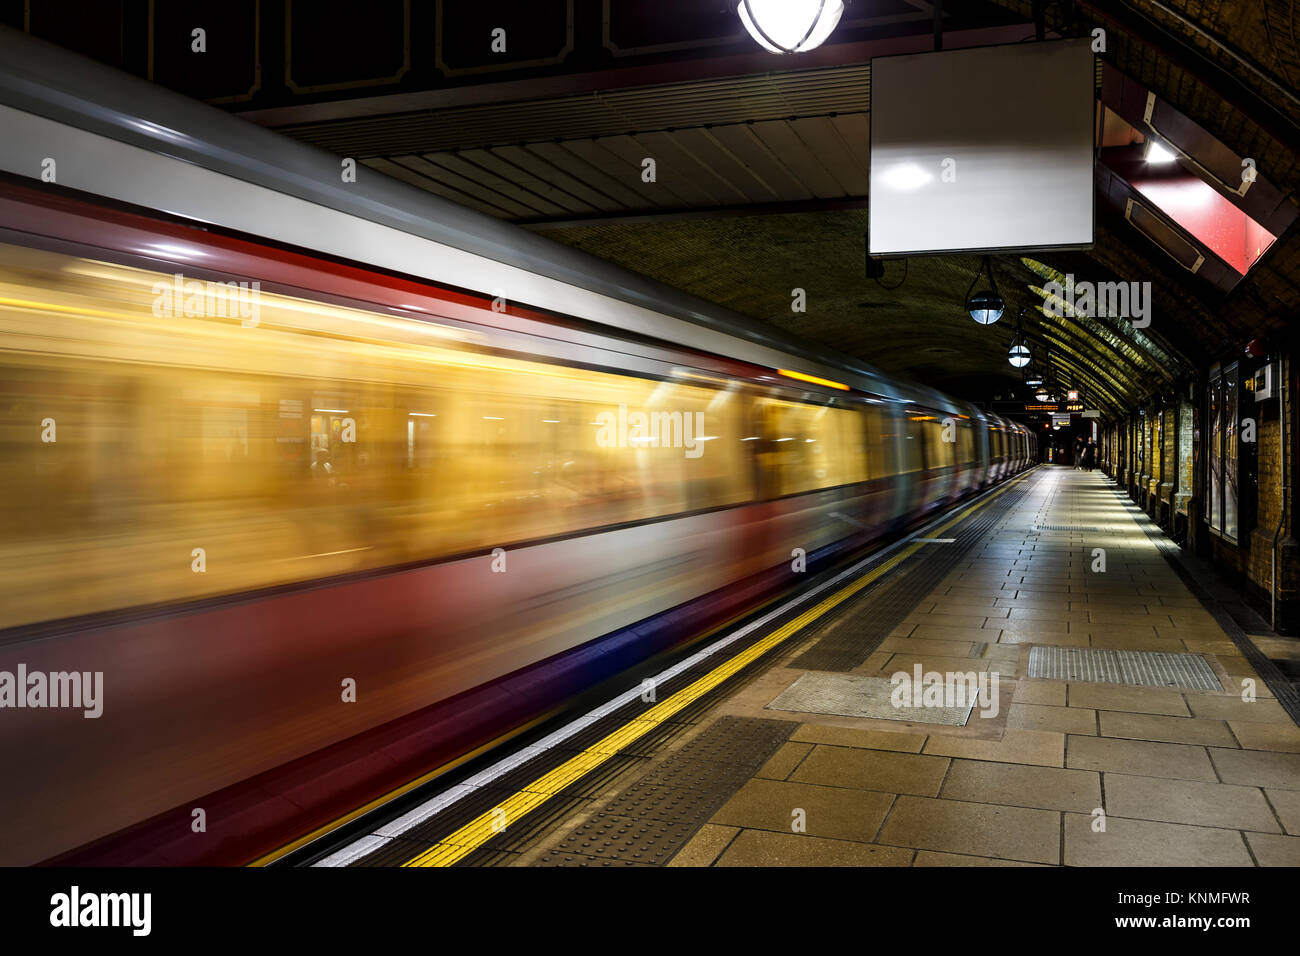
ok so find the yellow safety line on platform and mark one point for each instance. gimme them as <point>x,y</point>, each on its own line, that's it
<point>283,851</point>
<point>478,831</point>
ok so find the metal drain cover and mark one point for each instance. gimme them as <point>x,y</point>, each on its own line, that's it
<point>848,695</point>
<point>1135,668</point>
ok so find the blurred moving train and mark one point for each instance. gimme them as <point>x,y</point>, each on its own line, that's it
<point>264,432</point>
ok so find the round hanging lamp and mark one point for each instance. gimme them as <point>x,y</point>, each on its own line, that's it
<point>985,306</point>
<point>790,26</point>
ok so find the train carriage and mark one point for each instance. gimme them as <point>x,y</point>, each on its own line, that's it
<point>263,433</point>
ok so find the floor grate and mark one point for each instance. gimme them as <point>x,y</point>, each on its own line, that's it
<point>1135,668</point>
<point>656,816</point>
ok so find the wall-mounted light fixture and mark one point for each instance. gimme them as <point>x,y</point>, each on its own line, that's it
<point>1157,153</point>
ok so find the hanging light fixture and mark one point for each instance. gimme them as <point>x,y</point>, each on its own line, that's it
<point>1038,377</point>
<point>1018,354</point>
<point>985,307</point>
<point>790,26</point>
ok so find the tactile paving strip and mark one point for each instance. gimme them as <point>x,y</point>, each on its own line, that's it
<point>662,802</point>
<point>850,634</point>
<point>558,858</point>
<point>640,840</point>
<point>1135,668</point>
<point>849,695</point>
<point>654,818</point>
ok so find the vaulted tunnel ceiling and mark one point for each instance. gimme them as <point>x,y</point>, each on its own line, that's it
<point>919,328</point>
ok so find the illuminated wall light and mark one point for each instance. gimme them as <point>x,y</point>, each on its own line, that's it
<point>790,26</point>
<point>1156,153</point>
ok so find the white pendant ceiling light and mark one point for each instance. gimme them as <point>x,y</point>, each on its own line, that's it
<point>1018,354</point>
<point>984,307</point>
<point>790,26</point>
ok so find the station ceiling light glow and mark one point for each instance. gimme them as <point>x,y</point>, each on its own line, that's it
<point>790,26</point>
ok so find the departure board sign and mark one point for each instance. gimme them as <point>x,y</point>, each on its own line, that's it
<point>1040,408</point>
<point>985,149</point>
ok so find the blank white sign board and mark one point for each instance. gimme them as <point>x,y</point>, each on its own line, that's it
<point>982,150</point>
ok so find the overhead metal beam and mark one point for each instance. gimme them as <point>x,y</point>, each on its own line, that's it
<point>694,212</point>
<point>594,81</point>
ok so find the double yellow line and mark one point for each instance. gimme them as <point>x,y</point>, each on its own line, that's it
<point>478,831</point>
